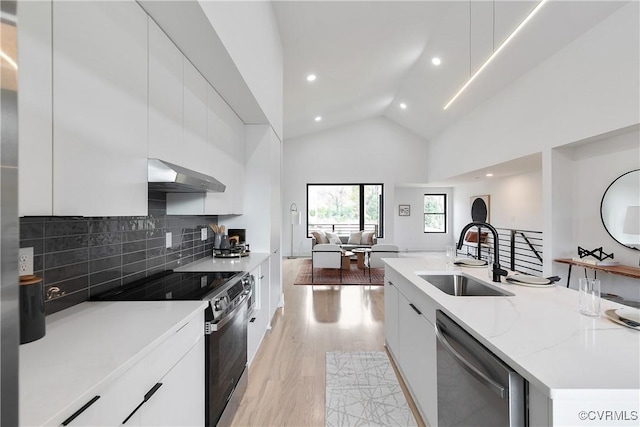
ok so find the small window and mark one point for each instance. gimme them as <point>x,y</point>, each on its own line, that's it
<point>435,213</point>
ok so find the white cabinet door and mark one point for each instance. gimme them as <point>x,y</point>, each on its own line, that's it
<point>417,357</point>
<point>391,317</point>
<point>165,97</point>
<point>34,109</point>
<point>276,197</point>
<point>222,157</point>
<point>194,134</point>
<point>99,108</point>
<point>225,154</point>
<point>179,401</point>
<point>275,283</point>
<point>259,320</point>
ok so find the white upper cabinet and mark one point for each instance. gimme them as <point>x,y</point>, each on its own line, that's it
<point>34,109</point>
<point>194,135</point>
<point>166,101</point>
<point>225,156</point>
<point>221,156</point>
<point>262,189</point>
<point>99,108</point>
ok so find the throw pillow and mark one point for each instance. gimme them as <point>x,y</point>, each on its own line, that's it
<point>333,238</point>
<point>354,238</point>
<point>320,237</point>
<point>367,238</point>
<point>472,236</point>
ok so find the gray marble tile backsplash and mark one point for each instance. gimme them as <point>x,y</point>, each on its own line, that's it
<point>78,256</point>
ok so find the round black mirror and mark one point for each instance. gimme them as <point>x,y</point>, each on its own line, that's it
<point>620,209</point>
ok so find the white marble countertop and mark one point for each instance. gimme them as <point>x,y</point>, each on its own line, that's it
<point>540,333</point>
<point>85,349</point>
<point>211,264</point>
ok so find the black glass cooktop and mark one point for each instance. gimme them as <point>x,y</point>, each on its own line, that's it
<point>169,285</point>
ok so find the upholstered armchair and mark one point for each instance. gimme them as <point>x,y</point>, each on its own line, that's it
<point>326,255</point>
<point>377,253</point>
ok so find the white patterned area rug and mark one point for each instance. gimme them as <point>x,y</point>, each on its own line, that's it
<point>362,390</point>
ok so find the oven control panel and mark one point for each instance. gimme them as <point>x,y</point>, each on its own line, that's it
<point>224,303</point>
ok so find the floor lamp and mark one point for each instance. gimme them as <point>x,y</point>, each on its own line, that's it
<point>296,219</point>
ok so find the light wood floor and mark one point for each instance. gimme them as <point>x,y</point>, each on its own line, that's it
<point>287,376</point>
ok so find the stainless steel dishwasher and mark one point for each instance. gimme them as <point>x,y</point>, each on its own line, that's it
<point>475,388</point>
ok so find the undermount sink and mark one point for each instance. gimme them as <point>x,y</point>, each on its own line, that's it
<point>462,286</point>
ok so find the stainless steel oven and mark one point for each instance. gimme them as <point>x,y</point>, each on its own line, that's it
<point>230,295</point>
<point>226,351</point>
<point>475,388</point>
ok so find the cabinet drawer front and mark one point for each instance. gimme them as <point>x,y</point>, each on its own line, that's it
<point>419,299</point>
<point>120,398</point>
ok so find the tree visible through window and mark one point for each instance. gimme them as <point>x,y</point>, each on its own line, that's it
<point>345,208</point>
<point>435,213</point>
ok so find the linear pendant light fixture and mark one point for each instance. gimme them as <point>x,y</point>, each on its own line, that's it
<point>495,53</point>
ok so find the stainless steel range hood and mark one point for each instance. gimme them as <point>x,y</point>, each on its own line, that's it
<point>170,178</point>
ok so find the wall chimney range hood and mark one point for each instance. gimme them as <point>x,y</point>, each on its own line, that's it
<point>170,178</point>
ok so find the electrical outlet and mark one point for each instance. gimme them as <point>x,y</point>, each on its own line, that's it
<point>25,261</point>
<point>203,233</point>
<point>168,242</point>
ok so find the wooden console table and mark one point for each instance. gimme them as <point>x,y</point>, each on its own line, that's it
<point>621,270</point>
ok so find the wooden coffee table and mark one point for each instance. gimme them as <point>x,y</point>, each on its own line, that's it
<point>346,260</point>
<point>360,253</point>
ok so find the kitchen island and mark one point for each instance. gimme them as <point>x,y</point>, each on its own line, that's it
<point>575,365</point>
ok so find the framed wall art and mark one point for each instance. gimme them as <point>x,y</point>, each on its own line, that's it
<point>480,208</point>
<point>404,210</point>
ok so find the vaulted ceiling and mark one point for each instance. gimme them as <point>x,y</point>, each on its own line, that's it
<point>371,56</point>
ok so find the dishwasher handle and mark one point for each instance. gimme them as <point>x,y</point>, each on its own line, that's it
<point>475,372</point>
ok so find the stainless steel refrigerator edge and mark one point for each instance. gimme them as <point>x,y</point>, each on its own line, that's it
<point>9,326</point>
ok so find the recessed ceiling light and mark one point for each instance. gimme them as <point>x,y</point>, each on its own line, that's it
<point>436,61</point>
<point>311,77</point>
<point>318,118</point>
<point>403,105</point>
<point>489,174</point>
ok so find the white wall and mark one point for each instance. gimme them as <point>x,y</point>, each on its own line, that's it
<point>591,168</point>
<point>370,151</point>
<point>589,88</point>
<point>249,32</point>
<point>514,202</point>
<point>408,230</point>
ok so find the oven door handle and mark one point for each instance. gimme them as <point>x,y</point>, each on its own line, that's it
<point>215,327</point>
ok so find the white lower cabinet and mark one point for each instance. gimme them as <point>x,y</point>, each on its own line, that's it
<point>410,334</point>
<point>175,403</point>
<point>260,318</point>
<point>417,356</point>
<point>391,316</point>
<point>164,388</point>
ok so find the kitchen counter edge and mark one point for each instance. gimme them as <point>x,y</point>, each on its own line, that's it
<point>213,265</point>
